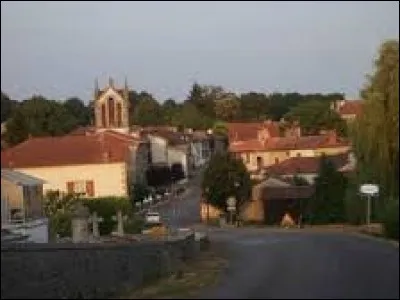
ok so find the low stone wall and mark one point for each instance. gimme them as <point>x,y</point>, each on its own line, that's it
<point>88,270</point>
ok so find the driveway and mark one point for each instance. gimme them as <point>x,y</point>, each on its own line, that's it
<point>280,264</point>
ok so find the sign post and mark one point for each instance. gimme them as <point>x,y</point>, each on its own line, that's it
<point>369,190</point>
<point>231,206</point>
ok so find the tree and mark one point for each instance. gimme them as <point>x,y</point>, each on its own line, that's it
<point>202,97</point>
<point>75,107</point>
<point>327,204</point>
<point>227,108</point>
<point>138,193</point>
<point>147,112</point>
<point>375,134</point>
<point>39,117</point>
<point>7,107</point>
<point>224,177</point>
<point>314,116</point>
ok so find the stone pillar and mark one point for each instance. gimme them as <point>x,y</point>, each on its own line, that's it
<point>80,220</point>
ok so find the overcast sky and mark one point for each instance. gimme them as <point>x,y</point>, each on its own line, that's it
<point>57,49</point>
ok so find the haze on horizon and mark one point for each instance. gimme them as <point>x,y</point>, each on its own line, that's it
<point>57,49</point>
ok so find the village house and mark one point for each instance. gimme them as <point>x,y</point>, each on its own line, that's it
<point>266,150</point>
<point>308,167</point>
<point>348,109</point>
<point>168,147</point>
<point>22,215</point>
<point>95,165</point>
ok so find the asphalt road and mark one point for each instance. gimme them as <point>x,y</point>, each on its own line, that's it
<point>277,264</point>
<point>183,211</point>
<point>297,264</point>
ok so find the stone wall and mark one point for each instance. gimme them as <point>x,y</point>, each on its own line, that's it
<point>88,270</point>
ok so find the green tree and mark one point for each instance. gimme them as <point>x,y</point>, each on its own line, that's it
<point>75,107</point>
<point>224,177</point>
<point>375,134</point>
<point>138,193</point>
<point>147,112</point>
<point>227,108</point>
<point>39,117</point>
<point>314,116</point>
<point>7,107</point>
<point>327,203</point>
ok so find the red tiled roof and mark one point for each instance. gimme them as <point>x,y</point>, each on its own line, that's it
<point>249,131</point>
<point>305,165</point>
<point>288,143</point>
<point>351,108</point>
<point>105,147</point>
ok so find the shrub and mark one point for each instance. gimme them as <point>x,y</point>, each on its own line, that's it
<point>391,219</point>
<point>106,208</point>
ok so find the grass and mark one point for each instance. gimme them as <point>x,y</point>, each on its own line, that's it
<point>201,272</point>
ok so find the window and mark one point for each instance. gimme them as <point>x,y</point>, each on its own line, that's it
<point>259,162</point>
<point>103,115</point>
<point>81,187</point>
<point>298,154</point>
<point>111,117</point>
<point>276,160</point>
<point>119,115</point>
<point>247,158</point>
<point>287,153</point>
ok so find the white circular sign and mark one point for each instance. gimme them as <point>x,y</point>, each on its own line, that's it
<point>369,189</point>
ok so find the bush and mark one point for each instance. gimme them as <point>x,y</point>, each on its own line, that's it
<point>60,224</point>
<point>106,208</point>
<point>391,220</point>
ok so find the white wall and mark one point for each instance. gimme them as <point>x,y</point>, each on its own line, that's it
<point>158,148</point>
<point>110,179</point>
<point>178,156</point>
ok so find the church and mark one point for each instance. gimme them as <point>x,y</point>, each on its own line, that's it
<point>111,107</point>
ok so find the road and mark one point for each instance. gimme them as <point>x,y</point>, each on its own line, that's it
<point>277,264</point>
<point>183,211</point>
<point>270,263</point>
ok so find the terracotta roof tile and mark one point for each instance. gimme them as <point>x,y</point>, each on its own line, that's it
<point>305,165</point>
<point>249,131</point>
<point>288,143</point>
<point>99,148</point>
<point>351,108</point>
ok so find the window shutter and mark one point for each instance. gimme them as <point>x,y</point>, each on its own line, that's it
<point>90,188</point>
<point>70,187</point>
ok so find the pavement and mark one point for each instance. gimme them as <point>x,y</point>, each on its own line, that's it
<point>281,264</point>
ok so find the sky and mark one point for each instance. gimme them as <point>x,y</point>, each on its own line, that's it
<point>57,49</point>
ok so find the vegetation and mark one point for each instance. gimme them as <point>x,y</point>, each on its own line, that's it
<point>224,177</point>
<point>138,193</point>
<point>314,116</point>
<point>391,219</point>
<point>377,162</point>
<point>204,107</point>
<point>58,208</point>
<point>327,204</point>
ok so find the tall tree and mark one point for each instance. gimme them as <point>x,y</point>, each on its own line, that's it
<point>314,116</point>
<point>7,107</point>
<point>227,108</point>
<point>39,117</point>
<point>77,108</point>
<point>376,132</point>
<point>224,177</point>
<point>327,204</point>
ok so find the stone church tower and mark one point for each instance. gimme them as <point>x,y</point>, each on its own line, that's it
<point>111,107</point>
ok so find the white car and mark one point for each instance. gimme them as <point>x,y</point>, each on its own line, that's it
<point>153,217</point>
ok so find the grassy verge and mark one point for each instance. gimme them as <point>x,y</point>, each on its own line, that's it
<point>201,272</point>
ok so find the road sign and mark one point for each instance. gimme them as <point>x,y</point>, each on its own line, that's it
<point>231,201</point>
<point>369,189</point>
